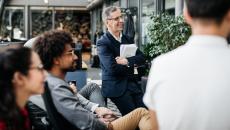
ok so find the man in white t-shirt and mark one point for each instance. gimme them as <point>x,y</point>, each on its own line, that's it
<point>189,87</point>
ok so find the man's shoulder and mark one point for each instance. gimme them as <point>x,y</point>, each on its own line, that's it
<point>127,39</point>
<point>55,81</point>
<point>103,40</point>
<point>171,55</point>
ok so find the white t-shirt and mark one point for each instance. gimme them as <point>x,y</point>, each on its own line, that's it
<point>189,88</point>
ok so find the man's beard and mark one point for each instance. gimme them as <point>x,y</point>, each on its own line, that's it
<point>72,68</point>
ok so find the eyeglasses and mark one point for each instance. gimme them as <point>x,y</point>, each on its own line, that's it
<point>39,67</point>
<point>117,18</point>
<point>70,52</point>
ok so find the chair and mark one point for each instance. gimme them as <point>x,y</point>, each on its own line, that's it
<point>57,120</point>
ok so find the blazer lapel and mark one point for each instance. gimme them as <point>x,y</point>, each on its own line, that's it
<point>114,44</point>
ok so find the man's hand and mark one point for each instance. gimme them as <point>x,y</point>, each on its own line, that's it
<point>101,111</point>
<point>105,115</point>
<point>73,87</point>
<point>121,60</point>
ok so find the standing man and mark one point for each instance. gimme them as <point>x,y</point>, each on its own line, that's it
<point>118,82</point>
<point>189,87</point>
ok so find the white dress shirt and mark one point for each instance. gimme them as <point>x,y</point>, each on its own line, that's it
<point>189,87</point>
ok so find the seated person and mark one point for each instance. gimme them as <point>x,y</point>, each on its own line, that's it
<point>88,95</point>
<point>18,81</point>
<point>55,50</point>
<point>37,111</point>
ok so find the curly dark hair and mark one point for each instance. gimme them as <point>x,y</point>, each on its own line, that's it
<point>12,59</point>
<point>51,45</point>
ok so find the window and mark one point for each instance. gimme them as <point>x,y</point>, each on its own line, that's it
<point>41,20</point>
<point>170,7</point>
<point>76,22</point>
<point>148,8</point>
<point>13,28</point>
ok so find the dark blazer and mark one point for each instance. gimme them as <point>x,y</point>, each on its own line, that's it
<point>115,77</point>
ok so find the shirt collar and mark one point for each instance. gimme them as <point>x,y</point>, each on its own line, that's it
<point>207,40</point>
<point>118,39</point>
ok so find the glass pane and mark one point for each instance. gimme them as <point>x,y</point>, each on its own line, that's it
<point>41,20</point>
<point>76,22</point>
<point>170,6</point>
<point>148,8</point>
<point>13,27</point>
<point>117,3</point>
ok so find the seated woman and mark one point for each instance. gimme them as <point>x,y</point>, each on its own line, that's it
<point>21,75</point>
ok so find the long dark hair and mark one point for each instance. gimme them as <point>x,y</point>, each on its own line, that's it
<point>12,59</point>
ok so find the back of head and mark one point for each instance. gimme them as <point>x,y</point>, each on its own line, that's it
<point>208,9</point>
<point>51,45</point>
<point>12,59</point>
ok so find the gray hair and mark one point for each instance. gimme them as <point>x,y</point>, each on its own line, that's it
<point>107,11</point>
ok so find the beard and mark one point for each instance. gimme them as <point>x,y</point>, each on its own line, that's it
<point>71,68</point>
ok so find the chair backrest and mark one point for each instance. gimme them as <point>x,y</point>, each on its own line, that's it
<point>56,119</point>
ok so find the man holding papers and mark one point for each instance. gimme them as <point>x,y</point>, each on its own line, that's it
<point>119,58</point>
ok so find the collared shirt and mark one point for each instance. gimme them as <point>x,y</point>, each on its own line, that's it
<point>117,38</point>
<point>207,40</point>
<point>188,88</point>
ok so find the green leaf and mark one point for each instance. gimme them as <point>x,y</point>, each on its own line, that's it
<point>165,33</point>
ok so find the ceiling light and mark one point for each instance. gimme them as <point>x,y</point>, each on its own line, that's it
<point>46,1</point>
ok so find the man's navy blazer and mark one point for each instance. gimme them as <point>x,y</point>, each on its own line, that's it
<point>115,77</point>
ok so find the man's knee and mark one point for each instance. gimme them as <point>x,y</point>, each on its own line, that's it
<point>93,86</point>
<point>141,111</point>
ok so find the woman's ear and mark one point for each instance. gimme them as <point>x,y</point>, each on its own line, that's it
<point>18,79</point>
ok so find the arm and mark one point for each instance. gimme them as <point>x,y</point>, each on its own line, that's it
<point>138,59</point>
<point>149,98</point>
<point>86,103</point>
<point>70,107</point>
<point>108,61</point>
<point>83,101</point>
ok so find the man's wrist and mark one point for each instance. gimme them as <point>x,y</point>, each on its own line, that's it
<point>94,107</point>
<point>109,126</point>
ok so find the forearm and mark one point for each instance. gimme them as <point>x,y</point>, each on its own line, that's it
<point>70,107</point>
<point>90,106</point>
<point>137,60</point>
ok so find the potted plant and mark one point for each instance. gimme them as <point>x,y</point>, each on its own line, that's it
<point>165,33</point>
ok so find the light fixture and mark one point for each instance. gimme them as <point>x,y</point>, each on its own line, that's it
<point>46,1</point>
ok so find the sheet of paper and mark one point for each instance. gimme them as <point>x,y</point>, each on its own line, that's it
<point>128,50</point>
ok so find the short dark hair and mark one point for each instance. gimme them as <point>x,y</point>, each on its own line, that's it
<point>51,45</point>
<point>208,9</point>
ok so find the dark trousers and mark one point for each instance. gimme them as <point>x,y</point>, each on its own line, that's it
<point>130,100</point>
